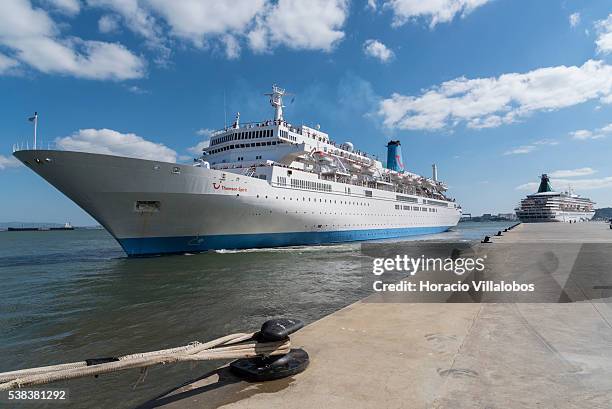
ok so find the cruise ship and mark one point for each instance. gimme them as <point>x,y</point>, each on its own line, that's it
<point>263,184</point>
<point>549,206</point>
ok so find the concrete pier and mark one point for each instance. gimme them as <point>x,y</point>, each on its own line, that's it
<point>434,355</point>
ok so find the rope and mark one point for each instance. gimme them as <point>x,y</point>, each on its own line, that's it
<point>233,346</point>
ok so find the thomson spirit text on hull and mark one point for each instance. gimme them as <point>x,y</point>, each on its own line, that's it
<point>263,184</point>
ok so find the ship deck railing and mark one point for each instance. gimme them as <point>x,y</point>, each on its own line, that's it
<point>415,192</point>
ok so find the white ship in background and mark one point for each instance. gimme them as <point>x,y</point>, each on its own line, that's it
<point>549,206</point>
<point>261,184</point>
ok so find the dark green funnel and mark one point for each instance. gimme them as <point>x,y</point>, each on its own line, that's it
<point>545,184</point>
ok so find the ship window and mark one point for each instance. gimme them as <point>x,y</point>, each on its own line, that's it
<point>368,193</point>
<point>176,170</point>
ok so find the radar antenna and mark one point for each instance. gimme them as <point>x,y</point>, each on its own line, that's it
<point>276,100</point>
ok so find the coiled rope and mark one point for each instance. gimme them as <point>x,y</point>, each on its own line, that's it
<point>240,345</point>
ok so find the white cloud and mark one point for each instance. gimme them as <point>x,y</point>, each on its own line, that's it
<point>521,150</point>
<point>549,142</point>
<point>436,11</point>
<point>197,150</point>
<point>572,173</point>
<point>8,162</point>
<point>139,20</point>
<point>68,7</point>
<point>297,24</point>
<point>372,5</point>
<point>108,24</point>
<point>604,39</point>
<point>205,132</point>
<point>491,102</point>
<point>263,24</point>
<point>135,89</point>
<point>581,134</point>
<point>195,19</point>
<point>606,129</point>
<point>376,49</point>
<point>585,134</point>
<point>232,47</point>
<point>528,187</point>
<point>7,64</point>
<point>136,18</point>
<point>574,19</point>
<point>107,141</point>
<point>576,184</point>
<point>33,37</point>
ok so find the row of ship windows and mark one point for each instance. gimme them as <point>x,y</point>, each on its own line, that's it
<point>415,208</point>
<point>243,145</point>
<point>345,202</point>
<point>371,234</point>
<point>323,201</point>
<point>340,214</point>
<point>264,133</point>
<point>350,214</point>
<point>286,134</point>
<point>305,184</point>
<point>241,158</point>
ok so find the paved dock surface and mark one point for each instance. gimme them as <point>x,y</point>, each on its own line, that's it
<point>435,355</point>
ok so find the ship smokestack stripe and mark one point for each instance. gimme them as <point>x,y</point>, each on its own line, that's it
<point>394,156</point>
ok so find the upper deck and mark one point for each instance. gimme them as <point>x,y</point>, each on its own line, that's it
<point>277,142</point>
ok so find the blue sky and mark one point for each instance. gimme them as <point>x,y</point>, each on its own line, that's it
<point>493,91</point>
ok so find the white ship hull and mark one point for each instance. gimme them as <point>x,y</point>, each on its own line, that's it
<point>558,217</point>
<point>157,208</point>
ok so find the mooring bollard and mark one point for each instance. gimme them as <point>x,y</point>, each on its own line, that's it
<point>268,368</point>
<point>486,239</point>
<point>263,355</point>
<point>499,233</point>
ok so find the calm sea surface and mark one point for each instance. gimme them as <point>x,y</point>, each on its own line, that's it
<point>70,295</point>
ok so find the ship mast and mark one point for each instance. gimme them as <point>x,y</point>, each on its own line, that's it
<point>276,100</point>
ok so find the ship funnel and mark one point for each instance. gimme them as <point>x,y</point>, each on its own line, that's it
<point>394,156</point>
<point>434,172</point>
<point>544,184</point>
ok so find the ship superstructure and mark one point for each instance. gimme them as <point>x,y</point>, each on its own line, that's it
<point>549,206</point>
<point>259,184</point>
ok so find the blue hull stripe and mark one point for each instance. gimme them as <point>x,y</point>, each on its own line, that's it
<point>193,244</point>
